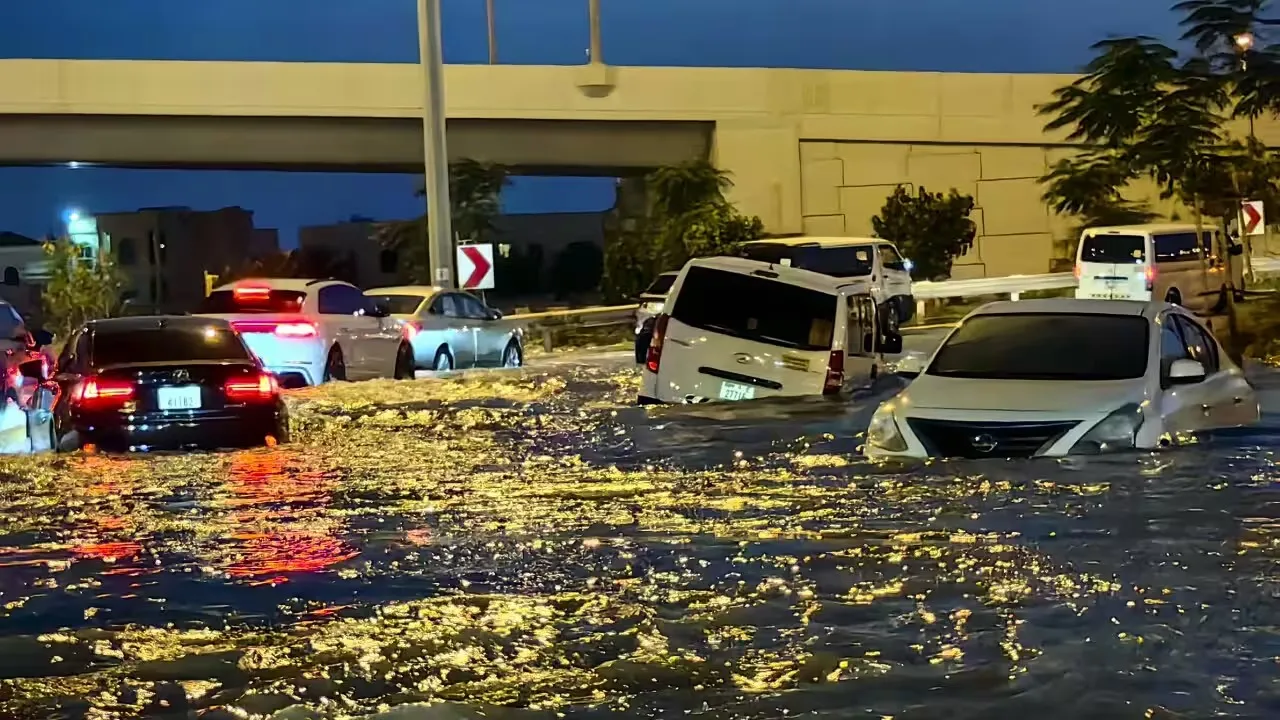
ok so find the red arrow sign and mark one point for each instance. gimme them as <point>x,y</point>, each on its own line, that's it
<point>1252,216</point>
<point>479,266</point>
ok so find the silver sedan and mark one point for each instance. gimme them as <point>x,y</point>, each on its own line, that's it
<point>451,329</point>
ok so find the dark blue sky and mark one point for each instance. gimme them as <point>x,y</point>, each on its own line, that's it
<point>944,35</point>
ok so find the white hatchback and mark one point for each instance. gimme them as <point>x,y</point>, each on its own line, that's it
<point>1065,377</point>
<point>311,331</point>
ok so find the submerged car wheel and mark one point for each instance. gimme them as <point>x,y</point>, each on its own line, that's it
<point>335,367</point>
<point>444,360</point>
<point>512,357</point>
<point>404,363</point>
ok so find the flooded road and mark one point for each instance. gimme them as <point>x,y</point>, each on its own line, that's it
<point>529,544</point>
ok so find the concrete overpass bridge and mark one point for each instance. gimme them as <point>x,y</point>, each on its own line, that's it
<point>810,150</point>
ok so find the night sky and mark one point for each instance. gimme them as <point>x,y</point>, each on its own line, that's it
<point>941,35</point>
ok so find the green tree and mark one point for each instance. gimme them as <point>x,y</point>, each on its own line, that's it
<point>930,228</point>
<point>687,216</point>
<point>475,190</point>
<point>80,287</point>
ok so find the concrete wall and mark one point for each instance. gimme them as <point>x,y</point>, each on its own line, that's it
<point>809,150</point>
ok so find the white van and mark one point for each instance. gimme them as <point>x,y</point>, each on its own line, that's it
<point>872,261</point>
<point>738,329</point>
<point>1156,262</point>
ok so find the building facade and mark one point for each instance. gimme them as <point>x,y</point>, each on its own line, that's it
<point>165,252</point>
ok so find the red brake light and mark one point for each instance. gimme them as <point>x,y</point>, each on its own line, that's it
<point>295,330</point>
<point>251,388</point>
<point>251,292</point>
<point>654,357</point>
<point>835,373</point>
<point>99,392</point>
<point>1079,270</point>
<point>1151,276</point>
<point>411,329</point>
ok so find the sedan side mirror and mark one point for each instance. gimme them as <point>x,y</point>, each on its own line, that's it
<point>1186,372</point>
<point>41,338</point>
<point>495,314</point>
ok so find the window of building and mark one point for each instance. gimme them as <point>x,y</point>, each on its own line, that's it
<point>127,251</point>
<point>11,275</point>
<point>388,261</point>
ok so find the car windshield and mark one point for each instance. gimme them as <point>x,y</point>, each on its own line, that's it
<point>228,302</point>
<point>662,285</point>
<point>843,261</point>
<point>399,304</point>
<point>171,344</point>
<point>1046,346</point>
<point>756,308</point>
<point>1113,249</point>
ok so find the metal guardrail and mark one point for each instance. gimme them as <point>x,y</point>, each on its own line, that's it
<point>549,322</point>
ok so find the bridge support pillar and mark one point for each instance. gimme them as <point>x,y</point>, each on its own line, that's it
<point>763,157</point>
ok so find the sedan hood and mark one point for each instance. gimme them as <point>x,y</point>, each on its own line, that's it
<point>1050,396</point>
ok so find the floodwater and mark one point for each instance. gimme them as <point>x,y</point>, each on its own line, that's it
<point>530,545</point>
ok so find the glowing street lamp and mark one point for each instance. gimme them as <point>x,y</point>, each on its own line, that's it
<point>1244,41</point>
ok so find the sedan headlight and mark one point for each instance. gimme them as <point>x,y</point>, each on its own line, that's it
<point>883,432</point>
<point>1117,431</point>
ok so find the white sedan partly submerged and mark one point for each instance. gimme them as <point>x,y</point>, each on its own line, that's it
<point>1065,377</point>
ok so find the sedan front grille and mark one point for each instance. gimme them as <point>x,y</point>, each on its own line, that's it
<point>963,439</point>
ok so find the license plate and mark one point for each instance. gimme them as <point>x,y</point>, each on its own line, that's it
<point>179,398</point>
<point>736,391</point>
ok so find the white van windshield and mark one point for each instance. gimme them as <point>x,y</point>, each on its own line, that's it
<point>1113,249</point>
<point>839,261</point>
<point>756,308</point>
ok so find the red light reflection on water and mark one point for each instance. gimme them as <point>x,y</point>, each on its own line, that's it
<point>268,492</point>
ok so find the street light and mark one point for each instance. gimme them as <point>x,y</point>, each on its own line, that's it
<point>1244,41</point>
<point>435,152</point>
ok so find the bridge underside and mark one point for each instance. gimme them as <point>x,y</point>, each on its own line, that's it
<point>530,147</point>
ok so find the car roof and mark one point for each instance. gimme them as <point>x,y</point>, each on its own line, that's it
<point>155,322</point>
<point>785,273</point>
<point>1154,228</point>
<point>1073,306</point>
<point>419,290</point>
<point>294,284</point>
<point>819,241</point>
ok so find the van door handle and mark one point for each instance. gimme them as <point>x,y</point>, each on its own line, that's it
<point>1205,409</point>
<point>1239,400</point>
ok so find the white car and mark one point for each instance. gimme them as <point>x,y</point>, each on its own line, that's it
<point>308,332</point>
<point>1065,377</point>
<point>874,262</point>
<point>451,329</point>
<point>738,329</point>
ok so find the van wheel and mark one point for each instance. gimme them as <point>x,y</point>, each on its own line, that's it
<point>889,318</point>
<point>335,367</point>
<point>1173,297</point>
